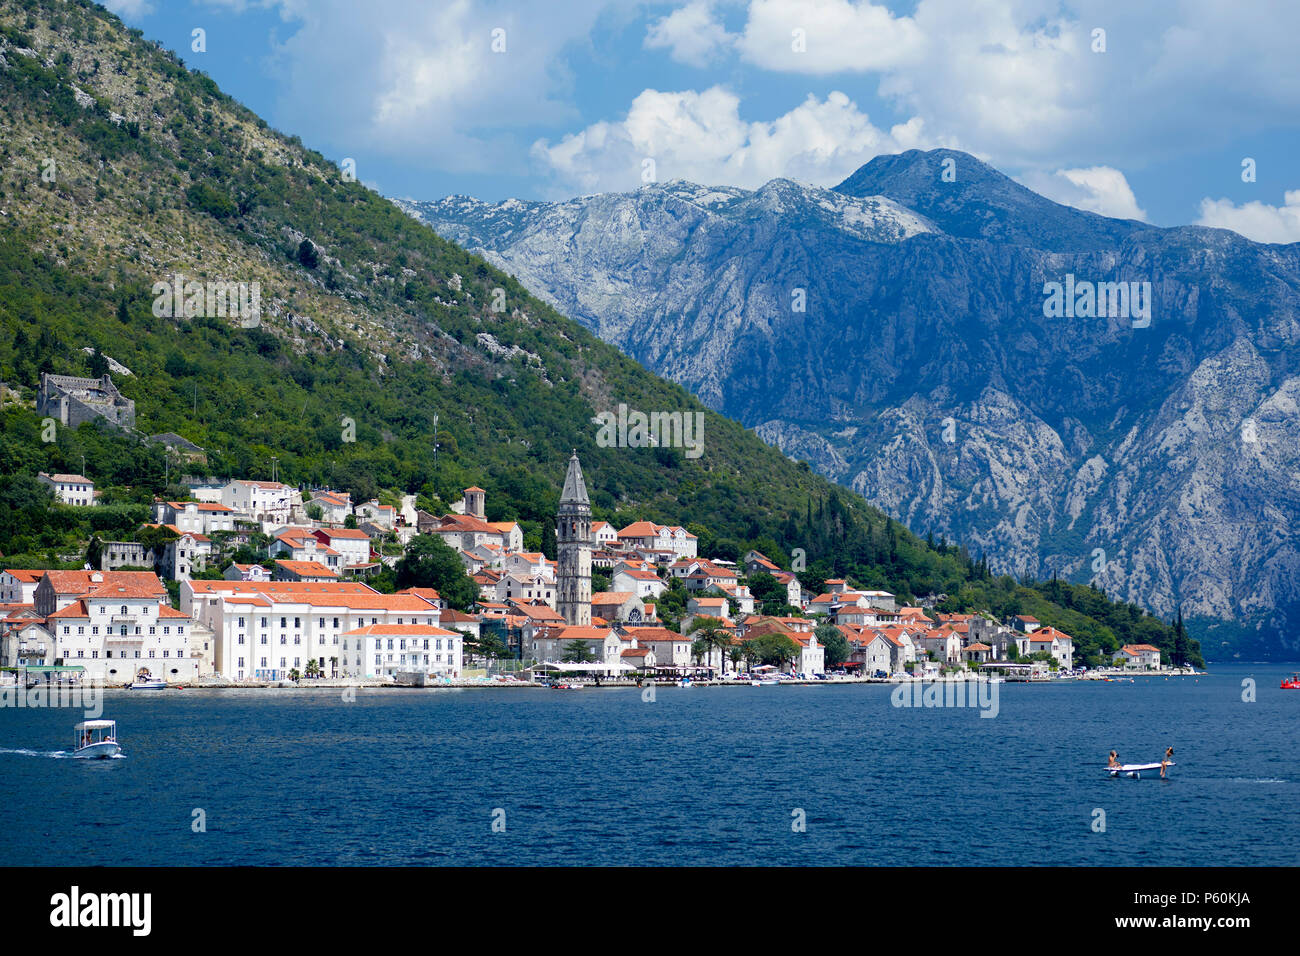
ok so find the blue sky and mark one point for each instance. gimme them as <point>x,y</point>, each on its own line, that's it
<point>1151,119</point>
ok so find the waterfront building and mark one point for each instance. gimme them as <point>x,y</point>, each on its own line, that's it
<point>263,630</point>
<point>386,650</point>
<point>116,631</point>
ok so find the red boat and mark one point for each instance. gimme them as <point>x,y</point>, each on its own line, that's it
<point>1291,683</point>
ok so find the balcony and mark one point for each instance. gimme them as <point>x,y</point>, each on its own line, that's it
<point>129,619</point>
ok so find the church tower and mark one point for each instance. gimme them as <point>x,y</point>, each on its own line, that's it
<point>573,549</point>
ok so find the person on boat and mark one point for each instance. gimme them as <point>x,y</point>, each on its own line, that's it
<point>1166,760</point>
<point>1114,760</point>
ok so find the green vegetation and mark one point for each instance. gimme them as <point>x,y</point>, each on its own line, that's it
<point>372,328</point>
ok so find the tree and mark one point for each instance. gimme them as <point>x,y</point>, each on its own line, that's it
<point>834,643</point>
<point>710,636</point>
<point>1182,647</point>
<point>775,649</point>
<point>98,364</point>
<point>307,254</point>
<point>430,563</point>
<point>487,647</point>
<point>577,652</point>
<point>94,552</point>
<point>770,593</point>
<point>700,649</point>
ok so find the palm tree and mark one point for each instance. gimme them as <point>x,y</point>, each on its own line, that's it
<point>700,647</point>
<point>737,654</point>
<point>715,637</point>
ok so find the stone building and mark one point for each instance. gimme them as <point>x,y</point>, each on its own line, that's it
<point>573,549</point>
<point>75,400</point>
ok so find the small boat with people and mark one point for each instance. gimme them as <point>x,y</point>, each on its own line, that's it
<point>1135,770</point>
<point>96,738</point>
<point>1291,683</point>
<point>146,681</point>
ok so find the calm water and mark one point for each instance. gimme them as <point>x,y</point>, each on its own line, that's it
<point>698,776</point>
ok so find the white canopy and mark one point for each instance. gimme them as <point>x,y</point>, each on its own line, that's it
<point>589,666</point>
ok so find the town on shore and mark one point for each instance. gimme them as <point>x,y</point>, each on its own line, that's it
<point>306,615</point>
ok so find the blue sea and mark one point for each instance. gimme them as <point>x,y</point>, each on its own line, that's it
<point>702,776</point>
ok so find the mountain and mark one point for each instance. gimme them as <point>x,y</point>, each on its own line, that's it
<point>384,360</point>
<point>1157,458</point>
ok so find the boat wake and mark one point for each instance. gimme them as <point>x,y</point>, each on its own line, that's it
<point>35,753</point>
<point>55,754</point>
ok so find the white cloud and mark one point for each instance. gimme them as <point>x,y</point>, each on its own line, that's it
<point>1255,220</point>
<point>700,136</point>
<point>827,36</point>
<point>691,34</point>
<point>1020,77</point>
<point>1099,189</point>
<point>422,80</point>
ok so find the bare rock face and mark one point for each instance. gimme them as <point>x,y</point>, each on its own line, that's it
<point>896,332</point>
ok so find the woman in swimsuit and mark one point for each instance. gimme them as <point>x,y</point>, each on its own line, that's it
<point>1114,760</point>
<point>1167,760</point>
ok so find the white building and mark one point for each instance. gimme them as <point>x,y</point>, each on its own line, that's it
<point>383,515</point>
<point>198,516</point>
<point>119,632</point>
<point>603,535</point>
<point>640,581</point>
<point>384,650</point>
<point>263,630</point>
<point>70,489</point>
<point>187,553</point>
<point>300,544</point>
<point>267,501</point>
<point>335,506</point>
<point>647,534</point>
<point>1061,646</point>
<point>352,544</point>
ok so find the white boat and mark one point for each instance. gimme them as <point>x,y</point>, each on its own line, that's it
<point>95,738</point>
<point>146,681</point>
<point>1135,770</point>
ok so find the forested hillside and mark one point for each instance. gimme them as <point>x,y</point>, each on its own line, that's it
<point>120,168</point>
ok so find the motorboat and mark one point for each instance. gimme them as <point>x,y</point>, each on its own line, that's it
<point>96,738</point>
<point>1135,770</point>
<point>1291,683</point>
<point>146,681</point>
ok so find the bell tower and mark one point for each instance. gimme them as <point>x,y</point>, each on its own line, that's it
<point>573,549</point>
